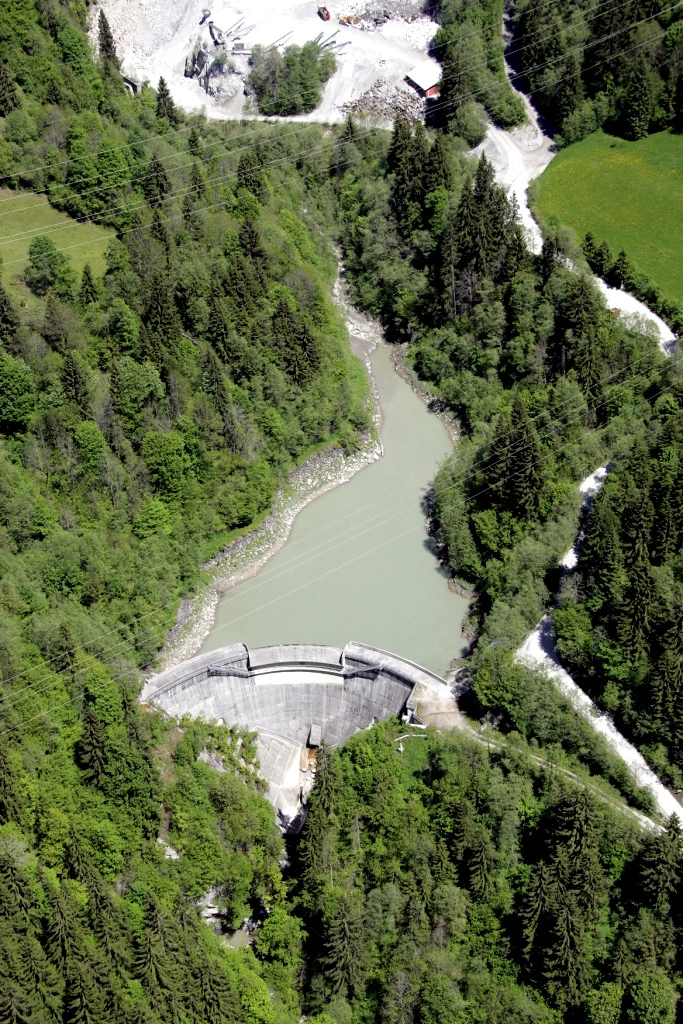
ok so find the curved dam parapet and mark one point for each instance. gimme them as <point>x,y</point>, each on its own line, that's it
<point>295,696</point>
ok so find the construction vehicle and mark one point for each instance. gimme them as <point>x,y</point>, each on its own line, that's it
<point>324,13</point>
<point>350,19</point>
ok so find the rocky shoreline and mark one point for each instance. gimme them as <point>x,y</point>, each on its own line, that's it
<point>245,556</point>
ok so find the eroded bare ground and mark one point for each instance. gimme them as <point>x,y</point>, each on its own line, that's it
<point>438,708</point>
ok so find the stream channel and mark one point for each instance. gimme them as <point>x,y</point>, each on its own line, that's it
<point>358,563</point>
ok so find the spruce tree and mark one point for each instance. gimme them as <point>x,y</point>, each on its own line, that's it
<point>525,480</point>
<point>106,40</point>
<point>571,87</point>
<point>213,381</point>
<point>400,145</point>
<point>590,250</point>
<point>197,181</point>
<point>165,105</point>
<point>622,271</point>
<point>254,251</point>
<point>91,747</point>
<point>83,1000</point>
<point>480,863</point>
<point>88,292</point>
<point>9,100</point>
<point>9,320</point>
<point>662,865</point>
<point>74,381</point>
<point>567,963</point>
<point>249,173</point>
<point>438,169</point>
<point>603,259</point>
<point>537,903</point>
<point>638,102</point>
<point>454,83</point>
<point>345,958</point>
<point>159,230</point>
<point>16,1005</point>
<point>194,143</point>
<point>156,184</point>
<point>11,803</point>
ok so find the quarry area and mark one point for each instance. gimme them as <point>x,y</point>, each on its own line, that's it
<point>203,51</point>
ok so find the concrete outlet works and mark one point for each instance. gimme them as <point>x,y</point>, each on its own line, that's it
<point>296,696</point>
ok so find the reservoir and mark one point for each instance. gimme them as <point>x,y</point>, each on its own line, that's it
<point>357,564</point>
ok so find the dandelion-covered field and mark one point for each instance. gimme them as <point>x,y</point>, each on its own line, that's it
<point>629,193</point>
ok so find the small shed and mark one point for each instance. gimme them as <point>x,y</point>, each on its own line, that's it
<point>425,78</point>
<point>314,736</point>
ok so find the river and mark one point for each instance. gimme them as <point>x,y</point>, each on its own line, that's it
<point>358,564</point>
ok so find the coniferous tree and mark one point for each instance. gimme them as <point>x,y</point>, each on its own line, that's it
<point>91,748</point>
<point>161,318</point>
<point>11,803</point>
<point>571,87</point>
<point>74,381</point>
<point>603,259</point>
<point>678,100</point>
<point>88,292</point>
<point>454,82</point>
<point>159,230</point>
<point>197,181</point>
<point>156,183</point>
<point>622,271</point>
<point>567,964</point>
<point>537,904</point>
<point>9,321</point>
<point>638,103</point>
<point>590,250</point>
<point>252,247</point>
<point>345,958</point>
<point>165,105</point>
<point>249,173</point>
<point>16,1005</point>
<point>400,162</point>
<point>438,170</point>
<point>662,865</point>
<point>213,381</point>
<point>524,483</point>
<point>9,100</point>
<point>480,862</point>
<point>106,41</point>
<point>83,999</point>
<point>194,143</point>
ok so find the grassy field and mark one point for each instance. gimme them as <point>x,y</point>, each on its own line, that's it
<point>22,217</point>
<point>629,193</point>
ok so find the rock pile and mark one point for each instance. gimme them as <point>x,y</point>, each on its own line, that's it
<point>388,100</point>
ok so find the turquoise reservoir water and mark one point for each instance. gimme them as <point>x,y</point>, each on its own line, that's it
<point>357,564</point>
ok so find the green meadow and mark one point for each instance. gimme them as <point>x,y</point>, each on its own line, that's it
<point>23,216</point>
<point>628,193</point>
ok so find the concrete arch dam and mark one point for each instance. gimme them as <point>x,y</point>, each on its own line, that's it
<point>295,696</point>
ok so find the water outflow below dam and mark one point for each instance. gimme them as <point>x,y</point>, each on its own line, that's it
<point>358,563</point>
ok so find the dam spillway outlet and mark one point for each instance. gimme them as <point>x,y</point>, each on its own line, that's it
<point>295,696</point>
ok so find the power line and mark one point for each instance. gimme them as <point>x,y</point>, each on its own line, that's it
<point>327,548</point>
<point>324,575</point>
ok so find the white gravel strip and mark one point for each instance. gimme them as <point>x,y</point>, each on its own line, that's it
<point>538,652</point>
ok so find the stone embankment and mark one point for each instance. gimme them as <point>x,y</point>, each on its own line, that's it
<point>388,100</point>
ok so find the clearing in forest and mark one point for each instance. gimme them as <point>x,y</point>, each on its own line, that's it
<point>628,193</point>
<point>23,216</point>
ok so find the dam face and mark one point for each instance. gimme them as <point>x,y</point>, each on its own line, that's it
<point>295,696</point>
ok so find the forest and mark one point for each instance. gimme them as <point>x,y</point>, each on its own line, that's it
<point>613,65</point>
<point>290,82</point>
<point>148,413</point>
